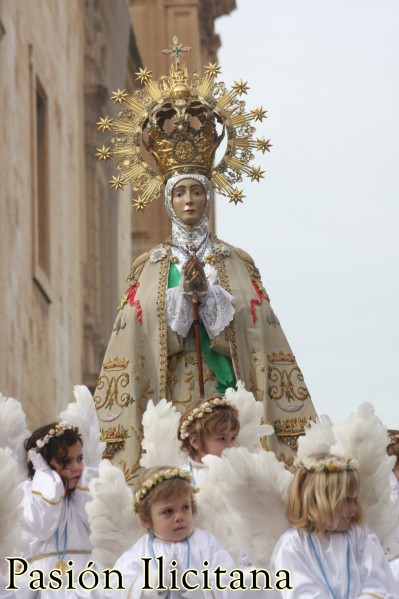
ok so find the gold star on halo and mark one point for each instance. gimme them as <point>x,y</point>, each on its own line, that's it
<point>139,204</point>
<point>256,173</point>
<point>105,124</point>
<point>241,87</point>
<point>213,69</point>
<point>143,75</point>
<point>258,113</point>
<point>117,182</point>
<point>119,96</point>
<point>236,196</point>
<point>104,153</point>
<point>263,145</point>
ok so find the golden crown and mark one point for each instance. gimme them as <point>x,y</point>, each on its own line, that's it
<point>176,119</point>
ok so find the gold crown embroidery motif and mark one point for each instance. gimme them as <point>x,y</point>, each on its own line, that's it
<point>181,120</point>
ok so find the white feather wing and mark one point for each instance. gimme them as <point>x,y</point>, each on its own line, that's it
<point>317,440</point>
<point>212,513</point>
<point>242,497</point>
<point>251,413</point>
<point>13,431</point>
<point>160,443</point>
<point>114,526</point>
<point>10,506</point>
<point>82,413</point>
<point>364,437</point>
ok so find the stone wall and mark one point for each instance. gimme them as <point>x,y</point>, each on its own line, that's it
<point>66,239</point>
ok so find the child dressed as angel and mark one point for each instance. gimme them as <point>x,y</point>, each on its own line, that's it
<point>53,520</point>
<point>162,561</point>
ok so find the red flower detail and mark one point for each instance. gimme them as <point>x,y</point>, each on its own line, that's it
<point>135,303</point>
<point>255,302</point>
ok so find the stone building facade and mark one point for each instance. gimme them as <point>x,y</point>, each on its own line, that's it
<point>66,239</point>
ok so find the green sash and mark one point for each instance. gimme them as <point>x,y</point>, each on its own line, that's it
<point>220,365</point>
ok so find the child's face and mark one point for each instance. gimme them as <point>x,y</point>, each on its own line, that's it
<point>214,444</point>
<point>172,520</point>
<point>72,470</point>
<point>346,512</point>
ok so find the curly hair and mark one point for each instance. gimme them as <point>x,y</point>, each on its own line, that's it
<point>56,448</point>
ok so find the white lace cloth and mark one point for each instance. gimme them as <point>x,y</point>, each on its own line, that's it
<point>215,309</point>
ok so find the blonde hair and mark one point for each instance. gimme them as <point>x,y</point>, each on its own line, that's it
<point>162,491</point>
<point>315,497</point>
<point>221,418</point>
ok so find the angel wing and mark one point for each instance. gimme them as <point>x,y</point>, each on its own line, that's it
<point>82,413</point>
<point>114,526</point>
<point>250,414</point>
<point>10,507</point>
<point>160,443</point>
<point>13,431</point>
<point>242,499</point>
<point>317,441</point>
<point>364,438</point>
<point>212,513</point>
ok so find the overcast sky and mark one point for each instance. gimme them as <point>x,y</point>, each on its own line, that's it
<point>323,225</point>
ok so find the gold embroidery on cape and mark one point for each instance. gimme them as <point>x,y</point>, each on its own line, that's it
<point>286,381</point>
<point>115,364</point>
<point>281,357</point>
<point>258,355</point>
<point>257,391</point>
<point>134,274</point>
<point>288,431</point>
<point>163,325</point>
<point>131,473</point>
<point>253,271</point>
<point>190,377</point>
<point>114,437</point>
<point>134,271</point>
<point>230,331</point>
<point>288,461</point>
<point>145,394</point>
<point>112,395</point>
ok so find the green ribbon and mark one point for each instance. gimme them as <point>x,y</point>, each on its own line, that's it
<point>220,365</point>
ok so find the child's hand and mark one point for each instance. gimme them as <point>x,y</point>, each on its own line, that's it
<point>38,461</point>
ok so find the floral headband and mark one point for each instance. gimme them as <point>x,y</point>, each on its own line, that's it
<point>393,437</point>
<point>205,408</point>
<point>58,430</point>
<point>327,464</point>
<point>158,478</point>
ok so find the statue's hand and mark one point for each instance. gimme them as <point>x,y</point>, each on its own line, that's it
<point>194,278</point>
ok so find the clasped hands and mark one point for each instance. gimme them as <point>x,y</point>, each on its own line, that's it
<point>194,278</point>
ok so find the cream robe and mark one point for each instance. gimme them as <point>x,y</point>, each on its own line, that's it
<point>146,360</point>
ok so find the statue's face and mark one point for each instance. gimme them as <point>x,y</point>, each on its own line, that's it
<point>188,201</point>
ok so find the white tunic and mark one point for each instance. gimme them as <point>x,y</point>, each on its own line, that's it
<point>47,509</point>
<point>395,496</point>
<point>3,593</point>
<point>369,571</point>
<point>394,486</point>
<point>191,553</point>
